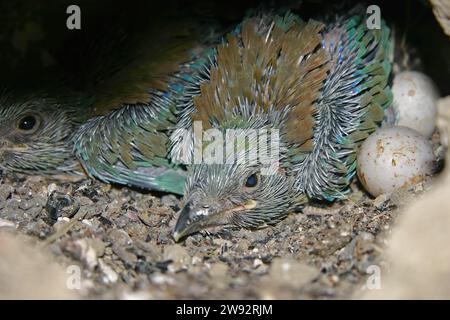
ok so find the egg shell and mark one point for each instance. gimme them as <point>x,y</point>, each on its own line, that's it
<point>393,158</point>
<point>415,101</point>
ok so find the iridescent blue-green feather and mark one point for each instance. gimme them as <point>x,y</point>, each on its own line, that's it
<point>352,104</point>
<point>130,145</point>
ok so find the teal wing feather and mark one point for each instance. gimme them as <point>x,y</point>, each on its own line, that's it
<point>352,104</point>
<point>134,106</point>
<point>129,146</point>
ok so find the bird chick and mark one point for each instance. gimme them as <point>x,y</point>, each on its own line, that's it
<point>36,135</point>
<point>322,87</point>
<point>122,82</point>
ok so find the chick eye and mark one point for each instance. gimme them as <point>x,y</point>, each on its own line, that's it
<point>28,123</point>
<point>251,181</point>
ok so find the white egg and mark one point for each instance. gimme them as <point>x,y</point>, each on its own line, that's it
<point>415,100</point>
<point>393,158</point>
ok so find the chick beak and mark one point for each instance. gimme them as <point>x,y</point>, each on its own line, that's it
<point>189,221</point>
<point>193,218</point>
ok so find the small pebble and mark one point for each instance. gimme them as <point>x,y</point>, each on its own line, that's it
<point>290,272</point>
<point>178,255</point>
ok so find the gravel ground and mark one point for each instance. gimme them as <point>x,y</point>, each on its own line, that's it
<point>122,241</point>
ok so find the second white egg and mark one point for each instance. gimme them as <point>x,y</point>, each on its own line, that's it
<point>415,101</point>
